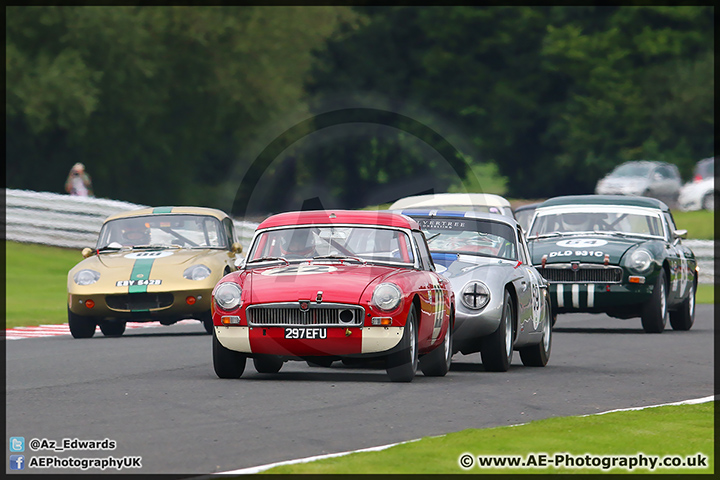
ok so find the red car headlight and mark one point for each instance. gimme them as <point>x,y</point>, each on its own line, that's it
<point>228,295</point>
<point>386,296</point>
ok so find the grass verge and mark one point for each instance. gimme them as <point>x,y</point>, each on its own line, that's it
<point>705,293</point>
<point>36,283</point>
<point>699,224</point>
<point>683,431</point>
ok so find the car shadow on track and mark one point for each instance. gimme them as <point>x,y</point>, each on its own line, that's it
<point>324,377</point>
<point>599,330</point>
<point>161,334</point>
<point>336,373</point>
<point>467,367</point>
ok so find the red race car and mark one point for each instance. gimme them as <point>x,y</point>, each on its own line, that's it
<point>321,286</point>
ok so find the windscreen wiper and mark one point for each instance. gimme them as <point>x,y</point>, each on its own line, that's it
<point>340,257</point>
<point>268,259</point>
<point>112,248</point>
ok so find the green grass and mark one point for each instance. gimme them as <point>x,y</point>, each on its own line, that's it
<point>36,283</point>
<point>674,430</point>
<point>705,293</point>
<point>700,224</point>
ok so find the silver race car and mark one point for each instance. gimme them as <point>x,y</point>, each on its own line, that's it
<point>502,301</point>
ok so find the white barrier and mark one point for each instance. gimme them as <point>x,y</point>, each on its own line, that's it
<point>705,253</point>
<point>67,221</point>
<point>74,222</point>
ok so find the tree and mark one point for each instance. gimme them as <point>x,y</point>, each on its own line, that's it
<point>555,96</point>
<point>156,101</point>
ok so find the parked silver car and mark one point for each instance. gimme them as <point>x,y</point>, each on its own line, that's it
<point>502,301</point>
<point>700,193</point>
<point>658,180</point>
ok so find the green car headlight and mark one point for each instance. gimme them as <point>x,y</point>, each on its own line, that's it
<point>86,277</point>
<point>640,261</point>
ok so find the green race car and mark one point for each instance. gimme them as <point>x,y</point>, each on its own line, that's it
<point>618,255</point>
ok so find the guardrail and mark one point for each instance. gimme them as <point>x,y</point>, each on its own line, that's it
<point>74,222</point>
<point>705,253</point>
<point>68,221</point>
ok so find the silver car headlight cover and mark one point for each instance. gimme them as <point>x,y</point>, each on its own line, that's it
<point>228,295</point>
<point>475,295</point>
<point>197,272</point>
<point>639,261</point>
<point>86,277</point>
<point>386,296</point>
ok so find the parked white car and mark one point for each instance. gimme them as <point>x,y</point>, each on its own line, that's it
<point>700,193</point>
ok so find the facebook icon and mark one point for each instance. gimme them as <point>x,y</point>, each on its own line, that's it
<point>17,462</point>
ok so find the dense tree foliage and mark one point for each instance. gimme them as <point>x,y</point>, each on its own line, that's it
<point>171,105</point>
<point>555,96</point>
<point>156,101</point>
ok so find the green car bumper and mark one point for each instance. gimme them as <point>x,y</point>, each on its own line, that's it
<point>597,298</point>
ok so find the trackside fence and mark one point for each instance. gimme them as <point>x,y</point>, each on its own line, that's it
<point>68,221</point>
<point>74,222</point>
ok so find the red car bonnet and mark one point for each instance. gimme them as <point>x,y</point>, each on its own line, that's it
<point>339,283</point>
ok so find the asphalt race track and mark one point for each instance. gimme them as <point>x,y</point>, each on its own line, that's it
<point>154,392</point>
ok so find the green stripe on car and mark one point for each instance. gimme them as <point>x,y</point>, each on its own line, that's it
<point>162,210</point>
<point>141,271</point>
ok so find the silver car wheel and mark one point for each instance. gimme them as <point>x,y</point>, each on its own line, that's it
<point>691,299</point>
<point>663,304</point>
<point>508,332</point>
<point>547,331</point>
<point>413,349</point>
<point>447,343</point>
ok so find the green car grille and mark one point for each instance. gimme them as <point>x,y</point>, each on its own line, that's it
<point>565,273</point>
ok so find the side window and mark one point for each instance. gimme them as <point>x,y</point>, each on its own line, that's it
<point>676,173</point>
<point>664,172</point>
<point>426,262</point>
<point>670,224</point>
<point>408,248</point>
<point>523,254</point>
<point>229,231</point>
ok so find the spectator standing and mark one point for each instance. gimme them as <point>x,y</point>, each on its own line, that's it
<point>78,182</point>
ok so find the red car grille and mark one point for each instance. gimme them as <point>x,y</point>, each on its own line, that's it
<point>290,314</point>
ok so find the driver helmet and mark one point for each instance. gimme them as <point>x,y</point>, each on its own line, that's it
<point>578,221</point>
<point>301,243</point>
<point>136,233</point>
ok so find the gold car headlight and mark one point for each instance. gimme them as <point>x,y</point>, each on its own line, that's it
<point>86,277</point>
<point>197,272</point>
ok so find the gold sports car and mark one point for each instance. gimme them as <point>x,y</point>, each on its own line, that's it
<point>151,264</point>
